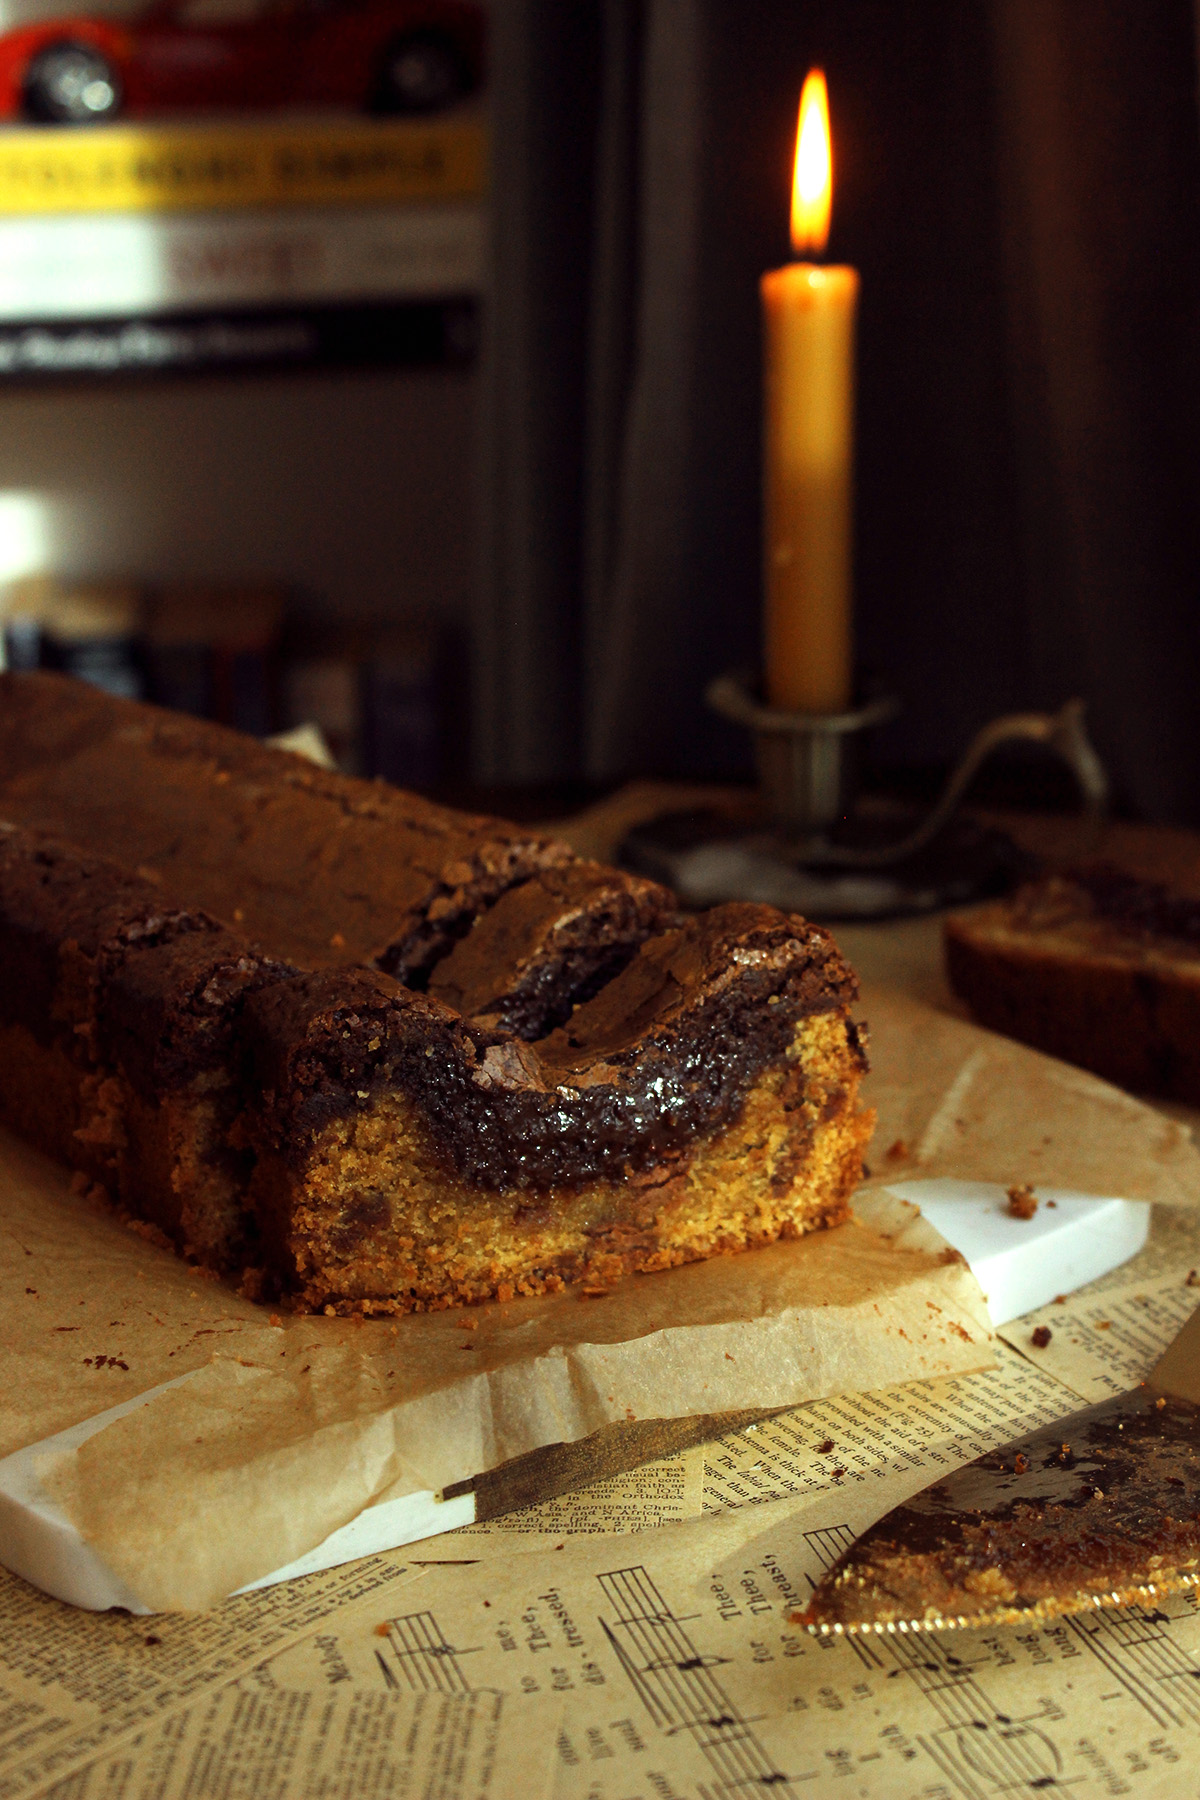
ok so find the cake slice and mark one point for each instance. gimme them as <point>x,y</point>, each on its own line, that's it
<point>118,1045</point>
<point>168,1042</point>
<point>62,916</point>
<point>704,1101</point>
<point>1095,965</point>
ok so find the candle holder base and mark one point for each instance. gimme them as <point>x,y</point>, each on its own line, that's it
<point>819,853</point>
<point>807,762</point>
<point>708,857</point>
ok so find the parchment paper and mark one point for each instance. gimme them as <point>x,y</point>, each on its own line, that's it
<point>288,1427</point>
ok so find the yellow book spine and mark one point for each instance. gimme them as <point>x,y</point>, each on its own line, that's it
<point>156,168</point>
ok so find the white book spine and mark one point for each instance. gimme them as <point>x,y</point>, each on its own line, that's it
<point>117,265</point>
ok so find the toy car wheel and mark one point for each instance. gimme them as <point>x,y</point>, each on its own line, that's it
<point>71,84</point>
<point>419,72</point>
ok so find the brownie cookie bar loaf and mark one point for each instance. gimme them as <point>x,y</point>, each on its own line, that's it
<point>1095,965</point>
<point>568,1082</point>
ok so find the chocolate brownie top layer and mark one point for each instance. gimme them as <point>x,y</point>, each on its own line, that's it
<point>62,915</point>
<point>322,869</point>
<point>549,945</point>
<point>168,1012</point>
<point>107,964</point>
<point>665,1052</point>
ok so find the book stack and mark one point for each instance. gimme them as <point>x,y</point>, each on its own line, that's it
<point>167,247</point>
<point>377,694</point>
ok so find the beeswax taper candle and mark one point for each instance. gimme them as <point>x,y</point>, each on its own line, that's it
<point>808,442</point>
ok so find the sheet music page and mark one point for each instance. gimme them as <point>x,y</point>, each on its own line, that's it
<point>682,1676</point>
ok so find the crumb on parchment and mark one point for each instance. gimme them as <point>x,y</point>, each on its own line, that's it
<point>1022,1202</point>
<point>1041,1336</point>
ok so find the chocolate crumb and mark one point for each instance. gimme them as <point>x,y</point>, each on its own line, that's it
<point>1022,1203</point>
<point>1020,1464</point>
<point>1060,1300</point>
<point>151,1639</point>
<point>836,1474</point>
<point>1103,1324</point>
<point>898,1151</point>
<point>1192,1279</point>
<point>1041,1336</point>
<point>825,1448</point>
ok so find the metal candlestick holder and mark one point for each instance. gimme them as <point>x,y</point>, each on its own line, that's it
<point>817,851</point>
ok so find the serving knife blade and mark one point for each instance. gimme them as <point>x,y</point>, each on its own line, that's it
<point>1099,1509</point>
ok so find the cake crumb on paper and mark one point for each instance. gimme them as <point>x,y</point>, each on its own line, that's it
<point>1022,1202</point>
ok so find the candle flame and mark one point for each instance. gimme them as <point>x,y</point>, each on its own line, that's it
<point>812,178</point>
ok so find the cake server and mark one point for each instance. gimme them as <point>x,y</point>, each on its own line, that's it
<point>1099,1509</point>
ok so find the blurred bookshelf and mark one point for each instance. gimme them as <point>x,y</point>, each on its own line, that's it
<point>297,545</point>
<point>156,248</point>
<point>380,694</point>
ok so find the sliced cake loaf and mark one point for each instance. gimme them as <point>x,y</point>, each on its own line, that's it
<point>571,1082</point>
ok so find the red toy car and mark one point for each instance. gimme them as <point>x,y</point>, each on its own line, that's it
<point>390,56</point>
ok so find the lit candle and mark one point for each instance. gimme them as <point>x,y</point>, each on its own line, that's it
<point>808,442</point>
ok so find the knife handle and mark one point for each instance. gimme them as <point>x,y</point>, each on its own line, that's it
<point>1177,1370</point>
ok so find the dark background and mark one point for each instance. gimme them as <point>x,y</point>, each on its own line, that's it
<point>1019,184</point>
